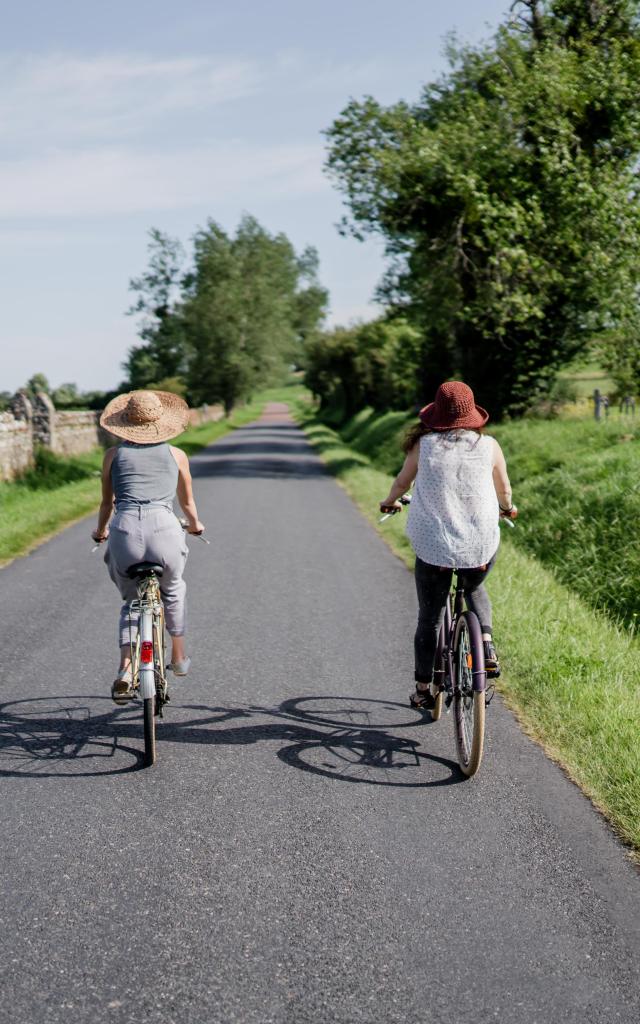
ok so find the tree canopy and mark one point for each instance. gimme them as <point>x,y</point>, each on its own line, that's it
<point>507,196</point>
<point>232,320</point>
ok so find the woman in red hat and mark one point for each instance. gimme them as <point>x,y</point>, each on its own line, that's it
<point>461,489</point>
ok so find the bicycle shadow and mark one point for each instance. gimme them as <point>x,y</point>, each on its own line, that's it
<point>51,737</point>
<point>347,739</point>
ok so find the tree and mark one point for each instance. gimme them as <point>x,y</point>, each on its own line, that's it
<point>249,305</point>
<point>38,382</point>
<point>161,328</point>
<point>373,364</point>
<point>507,196</point>
<point>66,396</point>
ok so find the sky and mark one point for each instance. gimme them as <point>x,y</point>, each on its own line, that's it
<point>119,117</point>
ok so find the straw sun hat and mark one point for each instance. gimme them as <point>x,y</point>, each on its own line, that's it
<point>146,417</point>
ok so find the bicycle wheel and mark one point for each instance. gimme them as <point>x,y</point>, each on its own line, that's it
<point>149,705</point>
<point>437,686</point>
<point>468,703</point>
<point>148,683</point>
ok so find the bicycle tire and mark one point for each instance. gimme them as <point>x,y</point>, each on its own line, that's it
<point>439,668</point>
<point>147,688</point>
<point>468,703</point>
<point>160,659</point>
<point>149,714</point>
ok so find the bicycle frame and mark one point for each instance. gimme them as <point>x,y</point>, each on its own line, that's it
<point>148,673</point>
<point>451,615</point>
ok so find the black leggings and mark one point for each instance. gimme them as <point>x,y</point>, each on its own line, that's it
<point>433,585</point>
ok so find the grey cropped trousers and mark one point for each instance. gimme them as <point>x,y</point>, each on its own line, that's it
<point>151,534</point>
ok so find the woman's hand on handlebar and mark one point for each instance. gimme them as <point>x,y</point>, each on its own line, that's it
<point>192,526</point>
<point>98,537</point>
<point>197,528</point>
<point>509,513</point>
<point>390,508</point>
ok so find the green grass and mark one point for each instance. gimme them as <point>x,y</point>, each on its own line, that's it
<point>59,491</point>
<point>578,488</point>
<point>569,673</point>
<point>585,376</point>
<point>52,495</point>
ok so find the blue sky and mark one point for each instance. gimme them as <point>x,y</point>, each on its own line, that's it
<point>116,118</point>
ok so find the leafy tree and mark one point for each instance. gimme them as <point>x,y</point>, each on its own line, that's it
<point>161,329</point>
<point>38,382</point>
<point>619,352</point>
<point>230,322</point>
<point>249,305</point>
<point>67,396</point>
<point>175,385</point>
<point>507,196</point>
<point>374,364</point>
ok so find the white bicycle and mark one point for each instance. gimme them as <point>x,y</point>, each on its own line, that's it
<point>148,647</point>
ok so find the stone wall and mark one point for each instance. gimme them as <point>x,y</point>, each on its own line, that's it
<point>76,432</point>
<point>16,446</point>
<point>205,414</point>
<point>28,425</point>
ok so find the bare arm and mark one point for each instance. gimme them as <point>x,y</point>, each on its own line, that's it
<point>404,479</point>
<point>501,481</point>
<point>185,491</point>
<point>105,512</point>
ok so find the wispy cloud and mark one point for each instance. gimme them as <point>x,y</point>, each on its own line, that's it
<point>109,181</point>
<point>58,98</point>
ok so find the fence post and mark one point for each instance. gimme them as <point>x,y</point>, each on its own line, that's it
<point>597,402</point>
<point>44,419</point>
<point>21,407</point>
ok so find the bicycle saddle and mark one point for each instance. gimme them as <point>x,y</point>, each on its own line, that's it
<point>141,569</point>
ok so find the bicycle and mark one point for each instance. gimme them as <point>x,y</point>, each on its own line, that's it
<point>148,650</point>
<point>147,647</point>
<point>460,677</point>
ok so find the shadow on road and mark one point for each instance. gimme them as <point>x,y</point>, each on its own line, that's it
<point>269,451</point>
<point>343,738</point>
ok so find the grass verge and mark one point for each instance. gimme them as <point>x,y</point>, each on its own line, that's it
<point>569,673</point>
<point>59,491</point>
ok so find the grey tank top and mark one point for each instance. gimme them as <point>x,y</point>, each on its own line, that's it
<point>144,474</point>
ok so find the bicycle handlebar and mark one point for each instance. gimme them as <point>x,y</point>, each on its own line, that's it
<point>391,510</point>
<point>184,524</point>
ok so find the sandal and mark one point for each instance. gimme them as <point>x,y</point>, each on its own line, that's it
<point>422,700</point>
<point>121,689</point>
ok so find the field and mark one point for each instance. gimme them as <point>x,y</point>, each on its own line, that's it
<point>565,587</point>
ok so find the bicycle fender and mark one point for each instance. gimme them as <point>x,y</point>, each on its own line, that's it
<point>147,672</point>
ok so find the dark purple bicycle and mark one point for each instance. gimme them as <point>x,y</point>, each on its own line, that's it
<point>460,677</point>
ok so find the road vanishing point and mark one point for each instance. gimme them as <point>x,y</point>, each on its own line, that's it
<point>305,850</point>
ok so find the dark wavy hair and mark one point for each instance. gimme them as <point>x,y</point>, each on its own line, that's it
<point>419,429</point>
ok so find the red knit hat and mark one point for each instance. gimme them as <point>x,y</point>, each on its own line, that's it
<point>454,406</point>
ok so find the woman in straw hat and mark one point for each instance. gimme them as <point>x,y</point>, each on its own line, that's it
<point>141,477</point>
<point>461,489</point>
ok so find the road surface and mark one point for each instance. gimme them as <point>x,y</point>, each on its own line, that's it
<point>305,849</point>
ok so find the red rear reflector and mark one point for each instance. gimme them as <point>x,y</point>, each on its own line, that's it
<point>146,654</point>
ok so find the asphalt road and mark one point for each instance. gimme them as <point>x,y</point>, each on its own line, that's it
<point>305,849</point>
